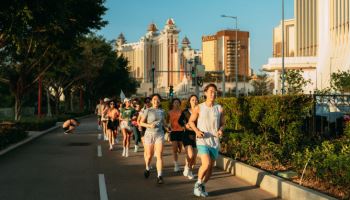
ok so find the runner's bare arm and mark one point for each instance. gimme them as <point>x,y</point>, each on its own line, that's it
<point>222,123</point>
<point>191,121</point>
<point>144,124</point>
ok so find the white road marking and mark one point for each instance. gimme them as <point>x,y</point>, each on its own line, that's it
<point>102,186</point>
<point>99,152</point>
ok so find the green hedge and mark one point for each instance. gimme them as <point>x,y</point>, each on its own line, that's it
<point>10,135</point>
<point>269,132</point>
<point>40,124</point>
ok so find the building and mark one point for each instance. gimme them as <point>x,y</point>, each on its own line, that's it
<point>219,53</point>
<point>158,50</point>
<point>321,40</point>
<point>289,35</point>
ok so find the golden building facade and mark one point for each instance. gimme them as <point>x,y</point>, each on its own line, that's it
<point>219,53</point>
<point>156,49</point>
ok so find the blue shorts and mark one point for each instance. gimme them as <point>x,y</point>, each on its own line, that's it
<point>212,152</point>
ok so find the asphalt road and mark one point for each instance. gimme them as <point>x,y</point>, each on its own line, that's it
<point>58,166</point>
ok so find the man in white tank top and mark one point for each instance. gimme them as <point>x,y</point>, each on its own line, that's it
<point>209,128</point>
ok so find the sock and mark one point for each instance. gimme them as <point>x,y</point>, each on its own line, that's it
<point>175,163</point>
<point>159,173</point>
<point>147,168</point>
<point>199,181</point>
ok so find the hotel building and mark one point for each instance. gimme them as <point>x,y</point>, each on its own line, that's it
<point>159,50</point>
<point>316,41</point>
<point>219,53</point>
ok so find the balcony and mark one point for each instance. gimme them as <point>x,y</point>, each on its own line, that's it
<point>290,63</point>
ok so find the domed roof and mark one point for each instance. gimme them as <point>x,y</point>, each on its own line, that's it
<point>152,27</point>
<point>170,21</point>
<point>185,41</point>
<point>121,36</point>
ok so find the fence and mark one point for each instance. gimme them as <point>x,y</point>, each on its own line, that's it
<point>327,117</point>
<point>10,112</point>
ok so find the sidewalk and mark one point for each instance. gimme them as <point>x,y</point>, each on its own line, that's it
<point>33,135</point>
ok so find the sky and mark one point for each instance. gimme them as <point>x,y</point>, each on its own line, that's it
<point>196,18</point>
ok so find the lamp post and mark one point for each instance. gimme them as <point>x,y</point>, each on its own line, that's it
<point>153,69</point>
<point>283,70</point>
<point>236,51</point>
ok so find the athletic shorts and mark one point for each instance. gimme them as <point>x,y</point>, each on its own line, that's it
<point>189,138</point>
<point>212,152</point>
<point>143,131</point>
<point>125,125</point>
<point>112,125</point>
<point>151,138</point>
<point>176,136</point>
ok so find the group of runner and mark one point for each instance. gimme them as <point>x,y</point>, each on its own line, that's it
<point>196,129</point>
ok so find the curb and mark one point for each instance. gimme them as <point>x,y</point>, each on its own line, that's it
<point>274,185</point>
<point>35,134</point>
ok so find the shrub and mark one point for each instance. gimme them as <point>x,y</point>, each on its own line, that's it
<point>329,162</point>
<point>10,135</point>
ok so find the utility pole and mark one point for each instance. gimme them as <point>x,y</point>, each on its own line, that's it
<point>283,70</point>
<point>153,69</point>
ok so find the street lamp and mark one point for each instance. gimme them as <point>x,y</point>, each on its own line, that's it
<point>283,70</point>
<point>153,69</point>
<point>236,52</point>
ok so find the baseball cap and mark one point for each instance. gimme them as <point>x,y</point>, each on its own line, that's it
<point>106,99</point>
<point>126,99</point>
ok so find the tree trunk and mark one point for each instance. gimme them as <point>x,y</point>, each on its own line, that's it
<point>49,113</point>
<point>18,107</point>
<point>71,101</point>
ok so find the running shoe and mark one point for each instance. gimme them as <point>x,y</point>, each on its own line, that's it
<point>186,171</point>
<point>203,190</point>
<point>190,175</point>
<point>160,180</point>
<point>123,154</point>
<point>136,149</point>
<point>176,168</point>
<point>197,191</point>
<point>146,173</point>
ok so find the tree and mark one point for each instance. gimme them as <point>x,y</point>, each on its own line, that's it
<point>33,34</point>
<point>340,81</point>
<point>295,81</point>
<point>261,85</point>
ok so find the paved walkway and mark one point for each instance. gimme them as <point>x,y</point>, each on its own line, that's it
<point>58,166</point>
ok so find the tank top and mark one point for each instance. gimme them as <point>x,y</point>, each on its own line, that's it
<point>174,120</point>
<point>208,122</point>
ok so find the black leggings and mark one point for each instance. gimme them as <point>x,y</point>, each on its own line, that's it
<point>137,135</point>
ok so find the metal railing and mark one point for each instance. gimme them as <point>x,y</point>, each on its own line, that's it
<point>328,116</point>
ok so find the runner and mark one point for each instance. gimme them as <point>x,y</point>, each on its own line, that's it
<point>154,119</point>
<point>189,137</point>
<point>210,125</point>
<point>126,114</point>
<point>176,130</point>
<point>104,117</point>
<point>112,124</point>
<point>70,125</point>
<point>98,112</point>
<point>147,104</point>
<point>135,126</point>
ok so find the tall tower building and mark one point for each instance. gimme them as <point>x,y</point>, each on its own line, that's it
<point>219,53</point>
<point>306,15</point>
<point>158,50</point>
<point>321,42</point>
